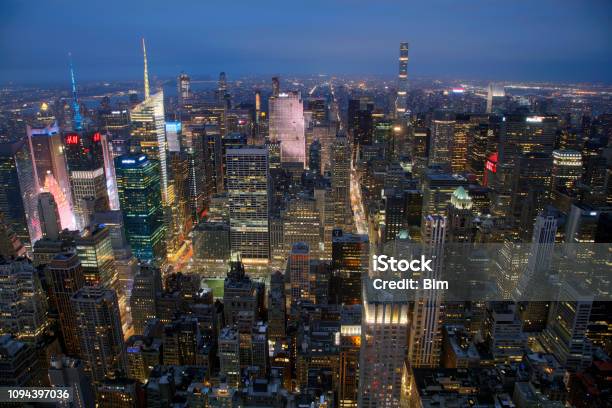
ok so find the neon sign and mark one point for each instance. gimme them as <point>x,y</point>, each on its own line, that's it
<point>72,139</point>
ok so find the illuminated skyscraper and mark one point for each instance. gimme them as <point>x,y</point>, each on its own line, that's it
<point>85,159</point>
<point>275,86</point>
<point>50,170</point>
<point>184,88</point>
<point>566,168</point>
<point>298,267</point>
<point>23,309</point>
<point>565,335</point>
<point>65,276</point>
<point>495,95</point>
<point>18,193</point>
<point>442,134</point>
<point>384,337</point>
<point>287,126</point>
<point>521,134</point>
<point>402,80</point>
<point>138,184</point>
<point>95,252</point>
<point>96,316</point>
<point>247,189</point>
<point>341,183</point>
<point>425,331</point>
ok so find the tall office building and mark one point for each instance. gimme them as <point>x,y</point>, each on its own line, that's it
<point>229,356</point>
<point>95,252</point>
<point>275,86</point>
<point>565,334</point>
<point>65,276</point>
<point>426,330</point>
<point>48,215</point>
<point>247,189</point>
<point>96,316</point>
<point>147,284</point>
<point>302,223</point>
<point>85,160</point>
<point>495,97</point>
<point>442,135</point>
<point>522,134</point>
<point>138,184</point>
<point>184,88</point>
<point>384,339</point>
<point>18,192</point>
<point>50,170</point>
<point>341,183</point>
<point>350,262</point>
<point>402,80</point>
<point>287,126</point>
<point>298,269</point>
<point>566,169</point>
<point>23,309</point>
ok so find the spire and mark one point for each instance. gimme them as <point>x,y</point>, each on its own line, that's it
<point>76,108</point>
<point>147,93</point>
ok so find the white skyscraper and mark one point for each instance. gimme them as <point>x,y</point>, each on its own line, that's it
<point>247,190</point>
<point>425,333</point>
<point>287,126</point>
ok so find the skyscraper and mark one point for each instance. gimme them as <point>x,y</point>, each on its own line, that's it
<point>96,317</point>
<point>65,276</point>
<point>566,169</point>
<point>442,134</point>
<point>384,337</point>
<point>87,176</point>
<point>18,192</point>
<point>341,183</point>
<point>425,331</point>
<point>50,170</point>
<point>184,88</point>
<point>350,262</point>
<point>95,252</point>
<point>23,309</point>
<point>298,268</point>
<point>147,283</point>
<point>287,126</point>
<point>138,184</point>
<point>565,334</point>
<point>402,80</point>
<point>247,189</point>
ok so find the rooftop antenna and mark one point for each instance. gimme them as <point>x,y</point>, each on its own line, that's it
<point>76,107</point>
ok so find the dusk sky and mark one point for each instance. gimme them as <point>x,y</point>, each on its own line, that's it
<point>553,40</point>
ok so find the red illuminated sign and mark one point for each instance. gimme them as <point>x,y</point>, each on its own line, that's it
<point>491,163</point>
<point>72,139</point>
<point>96,137</point>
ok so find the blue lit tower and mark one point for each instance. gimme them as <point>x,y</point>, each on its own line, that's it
<point>138,185</point>
<point>77,119</point>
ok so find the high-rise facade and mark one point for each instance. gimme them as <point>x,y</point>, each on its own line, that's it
<point>95,251</point>
<point>23,308</point>
<point>442,136</point>
<point>298,268</point>
<point>147,284</point>
<point>50,170</point>
<point>287,126</point>
<point>85,158</point>
<point>402,80</point>
<point>350,263</point>
<point>384,340</point>
<point>96,316</point>
<point>48,214</point>
<point>18,192</point>
<point>341,183</point>
<point>247,188</point>
<point>65,275</point>
<point>138,185</point>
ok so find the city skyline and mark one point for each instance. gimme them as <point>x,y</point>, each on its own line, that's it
<point>489,40</point>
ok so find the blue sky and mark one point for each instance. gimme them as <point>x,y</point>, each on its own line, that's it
<point>562,40</point>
